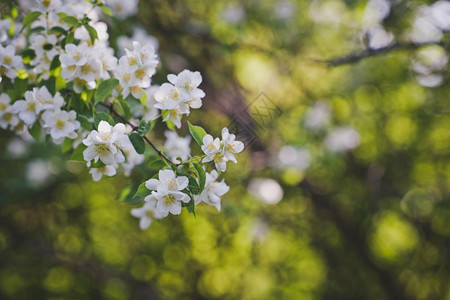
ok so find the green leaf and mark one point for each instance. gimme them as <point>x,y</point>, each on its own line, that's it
<point>20,87</point>
<point>70,37</point>
<point>143,99</point>
<point>67,145</point>
<point>104,89</point>
<point>36,131</point>
<point>193,186</point>
<point>106,10</point>
<point>71,21</point>
<point>101,116</point>
<point>50,84</point>
<point>190,206</point>
<point>197,133</point>
<point>84,121</point>
<point>141,193</point>
<point>201,175</point>
<point>125,107</point>
<point>138,142</point>
<point>58,30</point>
<point>29,19</point>
<point>127,195</point>
<point>55,63</point>
<point>144,127</point>
<point>92,32</point>
<point>77,154</point>
<point>156,164</point>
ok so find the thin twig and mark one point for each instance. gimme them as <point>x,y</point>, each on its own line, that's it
<point>358,56</point>
<point>135,128</point>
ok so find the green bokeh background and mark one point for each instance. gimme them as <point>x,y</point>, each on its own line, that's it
<point>370,224</point>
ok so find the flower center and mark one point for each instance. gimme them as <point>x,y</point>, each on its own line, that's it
<point>126,77</point>
<point>7,117</point>
<point>229,148</point>
<point>2,106</point>
<point>219,158</point>
<point>169,200</point>
<point>86,69</point>
<point>101,149</point>
<point>7,60</point>
<point>172,184</point>
<point>140,73</point>
<point>31,106</point>
<point>150,213</point>
<point>60,124</point>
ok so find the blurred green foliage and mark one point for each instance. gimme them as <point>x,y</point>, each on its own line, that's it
<point>370,224</point>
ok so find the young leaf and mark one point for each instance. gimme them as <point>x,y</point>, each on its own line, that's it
<point>138,142</point>
<point>77,155</point>
<point>104,89</point>
<point>106,10</point>
<point>143,99</point>
<point>144,127</point>
<point>92,32</point>
<point>197,133</point>
<point>29,19</point>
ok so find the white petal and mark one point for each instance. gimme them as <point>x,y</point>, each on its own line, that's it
<point>152,184</point>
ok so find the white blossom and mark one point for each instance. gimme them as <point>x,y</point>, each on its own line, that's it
<point>214,190</point>
<point>61,124</point>
<point>104,144</point>
<point>150,112</point>
<point>123,9</point>
<point>97,173</point>
<point>230,145</point>
<point>147,213</point>
<point>167,192</point>
<point>176,146</point>
<point>8,117</point>
<point>36,101</point>
<point>139,34</point>
<point>187,83</point>
<point>221,151</point>
<point>10,63</point>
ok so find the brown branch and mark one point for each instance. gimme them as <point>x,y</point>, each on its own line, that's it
<point>353,58</point>
<point>135,128</point>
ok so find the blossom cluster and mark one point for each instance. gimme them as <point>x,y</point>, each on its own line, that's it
<point>221,151</point>
<point>85,65</point>
<point>10,63</point>
<point>135,69</point>
<point>179,95</point>
<point>39,105</point>
<point>167,196</point>
<point>57,69</point>
<point>109,144</point>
